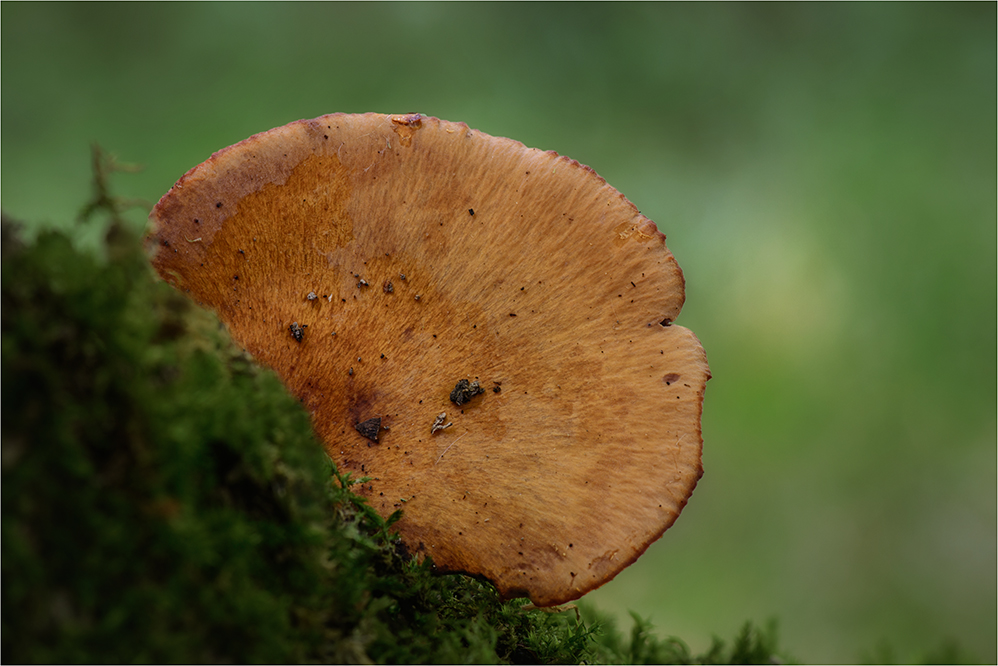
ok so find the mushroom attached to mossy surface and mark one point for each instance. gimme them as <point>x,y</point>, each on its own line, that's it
<point>509,267</point>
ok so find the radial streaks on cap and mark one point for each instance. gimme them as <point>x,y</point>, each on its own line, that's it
<point>374,261</point>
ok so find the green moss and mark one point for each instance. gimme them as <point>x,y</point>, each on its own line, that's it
<point>752,645</point>
<point>165,500</point>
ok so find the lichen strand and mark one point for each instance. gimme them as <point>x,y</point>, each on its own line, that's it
<point>584,418</point>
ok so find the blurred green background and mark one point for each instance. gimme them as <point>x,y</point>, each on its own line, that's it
<point>826,177</point>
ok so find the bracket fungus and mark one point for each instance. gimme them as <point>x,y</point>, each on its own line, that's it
<point>509,265</point>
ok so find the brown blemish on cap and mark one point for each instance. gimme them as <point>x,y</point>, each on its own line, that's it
<point>586,444</point>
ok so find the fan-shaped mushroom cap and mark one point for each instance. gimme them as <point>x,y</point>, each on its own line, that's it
<point>374,261</point>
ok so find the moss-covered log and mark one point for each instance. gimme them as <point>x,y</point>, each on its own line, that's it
<point>164,500</point>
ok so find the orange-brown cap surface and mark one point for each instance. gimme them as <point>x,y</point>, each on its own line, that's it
<point>375,261</point>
